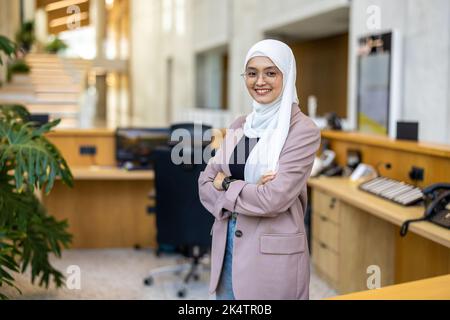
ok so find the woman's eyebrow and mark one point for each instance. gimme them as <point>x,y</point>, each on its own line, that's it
<point>253,68</point>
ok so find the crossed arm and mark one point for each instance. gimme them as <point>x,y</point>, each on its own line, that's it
<point>269,199</point>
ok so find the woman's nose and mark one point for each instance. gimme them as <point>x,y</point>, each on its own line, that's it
<point>260,80</point>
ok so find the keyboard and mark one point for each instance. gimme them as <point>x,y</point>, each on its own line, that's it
<point>393,190</point>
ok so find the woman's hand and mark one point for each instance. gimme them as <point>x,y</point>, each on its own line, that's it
<point>269,176</point>
<point>218,181</point>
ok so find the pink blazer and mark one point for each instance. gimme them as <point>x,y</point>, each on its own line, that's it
<point>271,258</point>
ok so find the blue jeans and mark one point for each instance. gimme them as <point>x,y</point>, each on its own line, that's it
<point>225,287</point>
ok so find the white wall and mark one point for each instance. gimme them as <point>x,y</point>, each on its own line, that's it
<point>424,24</point>
<point>425,29</point>
<point>151,47</point>
<point>237,24</point>
<point>29,9</point>
<point>145,63</point>
<point>276,14</point>
<point>210,23</point>
<point>245,32</point>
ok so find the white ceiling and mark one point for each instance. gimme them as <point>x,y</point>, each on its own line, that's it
<point>319,26</point>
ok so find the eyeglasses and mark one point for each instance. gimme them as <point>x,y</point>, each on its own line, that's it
<point>268,75</point>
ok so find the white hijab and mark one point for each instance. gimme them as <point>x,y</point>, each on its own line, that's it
<point>270,122</point>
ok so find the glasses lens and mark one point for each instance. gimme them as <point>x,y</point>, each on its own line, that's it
<point>270,75</point>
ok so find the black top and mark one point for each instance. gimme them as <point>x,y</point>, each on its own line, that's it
<point>241,153</point>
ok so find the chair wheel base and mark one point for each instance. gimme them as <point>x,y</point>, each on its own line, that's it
<point>181,293</point>
<point>148,281</point>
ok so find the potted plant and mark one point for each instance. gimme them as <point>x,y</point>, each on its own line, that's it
<point>25,36</point>
<point>28,235</point>
<point>7,47</point>
<point>55,46</point>
<point>18,66</point>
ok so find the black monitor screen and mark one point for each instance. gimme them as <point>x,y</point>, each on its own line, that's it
<point>134,146</point>
<point>39,119</point>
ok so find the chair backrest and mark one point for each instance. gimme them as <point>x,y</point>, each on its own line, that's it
<point>200,134</point>
<point>181,219</point>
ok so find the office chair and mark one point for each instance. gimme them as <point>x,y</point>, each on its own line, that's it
<point>181,219</point>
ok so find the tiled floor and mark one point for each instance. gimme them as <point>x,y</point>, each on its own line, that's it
<point>119,274</point>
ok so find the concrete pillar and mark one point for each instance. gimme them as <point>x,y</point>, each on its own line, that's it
<point>244,34</point>
<point>146,64</point>
<point>9,24</point>
<point>29,9</point>
<point>41,27</point>
<point>98,16</point>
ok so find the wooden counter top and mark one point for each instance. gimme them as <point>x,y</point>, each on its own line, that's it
<point>348,191</point>
<point>429,289</point>
<point>432,149</point>
<point>110,173</point>
<point>104,132</point>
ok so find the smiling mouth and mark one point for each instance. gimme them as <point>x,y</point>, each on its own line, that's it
<point>262,92</point>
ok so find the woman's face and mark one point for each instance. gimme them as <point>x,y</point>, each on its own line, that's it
<point>263,79</point>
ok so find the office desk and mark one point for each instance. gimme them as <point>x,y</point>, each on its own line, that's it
<point>437,288</point>
<point>110,173</point>
<point>353,230</point>
<point>106,208</point>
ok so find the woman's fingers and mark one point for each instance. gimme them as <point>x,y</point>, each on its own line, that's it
<point>266,178</point>
<point>218,180</point>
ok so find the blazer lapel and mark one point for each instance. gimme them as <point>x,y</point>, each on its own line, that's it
<point>232,138</point>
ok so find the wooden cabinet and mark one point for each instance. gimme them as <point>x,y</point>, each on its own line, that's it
<point>325,237</point>
<point>352,229</point>
<point>106,208</point>
<point>346,241</point>
<point>365,241</point>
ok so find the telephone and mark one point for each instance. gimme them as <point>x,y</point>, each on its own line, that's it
<point>333,121</point>
<point>322,163</point>
<point>437,207</point>
<point>363,171</point>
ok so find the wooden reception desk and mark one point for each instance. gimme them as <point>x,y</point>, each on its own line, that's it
<point>437,288</point>
<point>353,230</point>
<point>107,207</point>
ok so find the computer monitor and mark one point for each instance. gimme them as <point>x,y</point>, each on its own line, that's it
<point>39,119</point>
<point>134,146</point>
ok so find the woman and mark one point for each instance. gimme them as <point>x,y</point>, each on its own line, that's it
<point>255,186</point>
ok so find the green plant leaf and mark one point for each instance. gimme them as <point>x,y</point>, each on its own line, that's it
<point>7,47</point>
<point>28,235</point>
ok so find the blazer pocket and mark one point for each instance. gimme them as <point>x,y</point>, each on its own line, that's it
<point>282,243</point>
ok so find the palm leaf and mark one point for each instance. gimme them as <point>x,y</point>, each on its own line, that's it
<point>28,235</point>
<point>37,162</point>
<point>7,47</point>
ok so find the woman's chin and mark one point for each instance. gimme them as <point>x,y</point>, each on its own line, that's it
<point>263,100</point>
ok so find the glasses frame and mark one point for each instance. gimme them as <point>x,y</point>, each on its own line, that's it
<point>264,75</point>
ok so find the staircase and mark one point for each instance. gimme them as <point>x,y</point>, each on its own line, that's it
<point>54,86</point>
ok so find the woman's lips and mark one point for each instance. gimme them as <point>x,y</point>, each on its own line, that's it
<point>262,92</point>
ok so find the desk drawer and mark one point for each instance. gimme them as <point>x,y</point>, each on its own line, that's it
<point>326,231</point>
<point>326,205</point>
<point>325,260</point>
